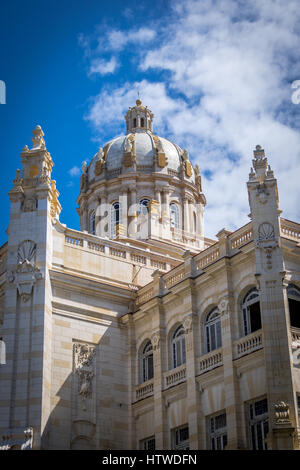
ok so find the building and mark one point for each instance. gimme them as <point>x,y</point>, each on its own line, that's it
<point>137,331</point>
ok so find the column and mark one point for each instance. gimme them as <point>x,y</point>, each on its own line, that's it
<point>186,225</point>
<point>124,212</point>
<point>104,216</point>
<point>132,213</point>
<point>98,218</point>
<point>165,213</point>
<point>160,418</point>
<point>190,324</point>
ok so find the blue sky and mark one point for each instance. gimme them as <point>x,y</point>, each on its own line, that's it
<point>217,75</point>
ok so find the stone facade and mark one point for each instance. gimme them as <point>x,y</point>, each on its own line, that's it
<point>120,340</point>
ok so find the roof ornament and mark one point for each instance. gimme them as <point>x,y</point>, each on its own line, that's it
<point>84,167</point>
<point>38,140</point>
<point>185,155</point>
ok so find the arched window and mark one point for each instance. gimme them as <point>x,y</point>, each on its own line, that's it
<point>147,362</point>
<point>134,122</point>
<point>174,215</point>
<point>178,347</point>
<point>293,294</point>
<point>115,216</point>
<point>144,206</point>
<point>213,337</point>
<point>251,312</point>
<point>92,222</point>
<point>142,122</point>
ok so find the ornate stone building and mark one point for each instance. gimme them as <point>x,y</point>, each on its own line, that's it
<point>137,332</point>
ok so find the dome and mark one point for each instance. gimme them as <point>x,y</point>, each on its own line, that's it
<point>142,186</point>
<point>140,151</point>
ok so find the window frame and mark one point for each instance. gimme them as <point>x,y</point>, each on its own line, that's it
<point>248,300</point>
<point>144,443</point>
<point>175,220</point>
<point>178,347</point>
<point>146,354</point>
<point>217,434</point>
<point>141,211</point>
<point>183,444</point>
<point>293,293</point>
<point>257,424</point>
<point>115,218</point>
<point>213,330</point>
<point>92,222</point>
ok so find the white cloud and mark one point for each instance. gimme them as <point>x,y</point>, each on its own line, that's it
<point>229,68</point>
<point>103,67</point>
<point>117,39</point>
<point>75,171</point>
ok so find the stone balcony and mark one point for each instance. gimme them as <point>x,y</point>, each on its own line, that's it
<point>175,376</point>
<point>247,344</point>
<point>210,361</point>
<point>143,390</point>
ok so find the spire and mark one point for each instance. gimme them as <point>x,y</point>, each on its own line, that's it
<point>139,118</point>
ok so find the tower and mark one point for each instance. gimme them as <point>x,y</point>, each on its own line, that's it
<point>271,280</point>
<point>25,386</point>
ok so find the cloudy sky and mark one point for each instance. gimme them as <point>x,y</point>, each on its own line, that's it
<point>218,76</point>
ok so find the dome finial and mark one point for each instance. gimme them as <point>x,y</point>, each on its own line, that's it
<point>138,101</point>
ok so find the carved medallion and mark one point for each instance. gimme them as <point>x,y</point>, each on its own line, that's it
<point>161,160</point>
<point>98,167</point>
<point>188,169</point>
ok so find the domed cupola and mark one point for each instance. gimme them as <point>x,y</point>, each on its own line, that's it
<point>142,170</point>
<point>139,118</point>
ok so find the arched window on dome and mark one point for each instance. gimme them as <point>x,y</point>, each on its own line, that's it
<point>147,362</point>
<point>134,122</point>
<point>195,222</point>
<point>144,206</point>
<point>174,215</point>
<point>293,294</point>
<point>142,122</point>
<point>115,217</point>
<point>92,223</point>
<point>251,312</point>
<point>178,347</point>
<point>213,337</point>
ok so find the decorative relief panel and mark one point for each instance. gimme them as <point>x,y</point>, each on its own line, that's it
<point>282,413</point>
<point>84,390</point>
<point>266,231</point>
<point>27,273</point>
<point>29,204</point>
<point>266,241</point>
<point>84,369</point>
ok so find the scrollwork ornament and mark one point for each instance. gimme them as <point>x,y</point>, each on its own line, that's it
<point>155,341</point>
<point>223,307</point>
<point>188,325</point>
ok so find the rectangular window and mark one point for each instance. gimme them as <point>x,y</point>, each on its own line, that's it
<point>148,444</point>
<point>218,432</point>
<point>259,424</point>
<point>180,438</point>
